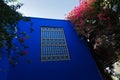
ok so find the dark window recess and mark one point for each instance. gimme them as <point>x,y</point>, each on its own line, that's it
<point>53,44</point>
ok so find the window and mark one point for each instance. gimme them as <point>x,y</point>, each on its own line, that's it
<point>53,44</point>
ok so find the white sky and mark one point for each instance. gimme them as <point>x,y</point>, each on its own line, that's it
<point>55,9</point>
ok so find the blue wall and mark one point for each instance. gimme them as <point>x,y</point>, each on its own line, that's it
<point>80,67</point>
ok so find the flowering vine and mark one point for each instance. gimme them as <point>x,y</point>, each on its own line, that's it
<point>99,22</point>
<point>10,31</point>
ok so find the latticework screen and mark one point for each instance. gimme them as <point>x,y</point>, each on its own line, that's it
<point>53,44</point>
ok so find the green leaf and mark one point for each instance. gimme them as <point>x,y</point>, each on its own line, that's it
<point>27,36</point>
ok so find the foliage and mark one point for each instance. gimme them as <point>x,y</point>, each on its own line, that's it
<point>99,22</point>
<point>9,30</point>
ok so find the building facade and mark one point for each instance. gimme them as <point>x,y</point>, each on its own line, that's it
<point>56,53</point>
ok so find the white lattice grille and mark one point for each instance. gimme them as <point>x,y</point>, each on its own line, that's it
<point>53,44</point>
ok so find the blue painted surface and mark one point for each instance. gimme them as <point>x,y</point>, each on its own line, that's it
<point>4,65</point>
<point>80,67</point>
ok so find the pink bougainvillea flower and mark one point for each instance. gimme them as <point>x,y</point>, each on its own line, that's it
<point>108,18</point>
<point>25,52</point>
<point>22,39</point>
<point>81,22</point>
<point>109,24</point>
<point>83,8</point>
<point>101,17</point>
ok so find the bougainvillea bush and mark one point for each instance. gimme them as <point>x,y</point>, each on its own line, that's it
<point>99,22</point>
<point>10,31</point>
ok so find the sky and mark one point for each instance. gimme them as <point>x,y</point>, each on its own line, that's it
<point>53,9</point>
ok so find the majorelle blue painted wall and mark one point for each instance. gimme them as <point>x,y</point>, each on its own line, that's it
<point>81,65</point>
